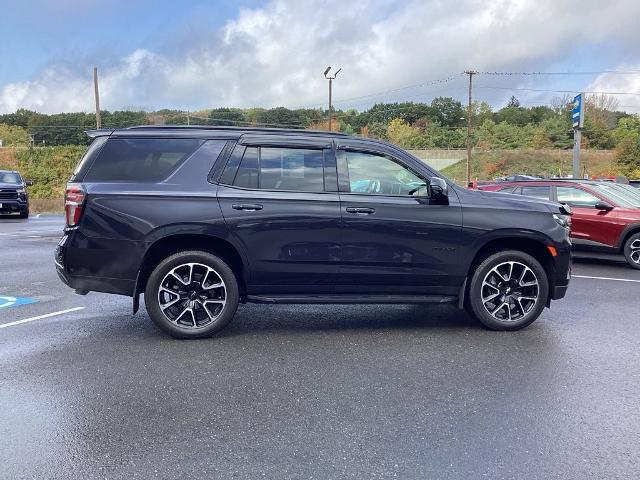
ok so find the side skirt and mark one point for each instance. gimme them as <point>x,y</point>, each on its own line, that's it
<point>350,299</point>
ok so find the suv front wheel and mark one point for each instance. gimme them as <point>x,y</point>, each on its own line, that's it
<point>508,290</point>
<point>191,294</point>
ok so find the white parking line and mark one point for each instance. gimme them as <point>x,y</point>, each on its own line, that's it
<point>40,317</point>
<point>606,278</point>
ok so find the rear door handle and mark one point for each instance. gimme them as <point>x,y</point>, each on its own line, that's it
<point>361,210</point>
<point>249,207</point>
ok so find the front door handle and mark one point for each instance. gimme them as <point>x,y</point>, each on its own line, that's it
<point>361,210</point>
<point>249,207</point>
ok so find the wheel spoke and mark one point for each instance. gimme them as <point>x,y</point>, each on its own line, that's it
<point>169,304</point>
<point>490,297</point>
<point>178,277</point>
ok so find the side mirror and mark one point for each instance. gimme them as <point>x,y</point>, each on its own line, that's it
<point>439,187</point>
<point>604,206</point>
<point>28,183</point>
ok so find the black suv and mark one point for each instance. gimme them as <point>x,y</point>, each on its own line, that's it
<point>13,193</point>
<point>202,218</point>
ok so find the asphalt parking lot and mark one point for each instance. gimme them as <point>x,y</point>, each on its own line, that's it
<point>313,391</point>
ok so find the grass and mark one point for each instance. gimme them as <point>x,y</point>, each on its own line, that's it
<point>487,165</point>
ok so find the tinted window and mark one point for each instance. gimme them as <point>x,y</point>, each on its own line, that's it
<point>293,169</point>
<point>89,155</point>
<point>247,175</point>
<point>140,160</point>
<point>576,197</point>
<point>379,175</point>
<point>230,169</point>
<point>537,192</point>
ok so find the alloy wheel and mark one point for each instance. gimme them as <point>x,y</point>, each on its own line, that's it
<point>192,295</point>
<point>509,291</point>
<point>634,252</point>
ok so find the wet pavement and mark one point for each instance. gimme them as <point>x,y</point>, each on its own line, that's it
<point>313,391</point>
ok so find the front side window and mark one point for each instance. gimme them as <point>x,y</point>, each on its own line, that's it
<point>140,159</point>
<point>290,169</point>
<point>576,197</point>
<point>542,192</point>
<point>375,174</point>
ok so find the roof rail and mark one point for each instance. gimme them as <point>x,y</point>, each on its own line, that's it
<point>236,129</point>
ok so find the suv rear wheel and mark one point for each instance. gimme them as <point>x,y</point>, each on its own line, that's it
<point>508,290</point>
<point>191,294</point>
<point>632,250</point>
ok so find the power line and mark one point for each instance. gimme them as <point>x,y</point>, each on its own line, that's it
<point>599,72</point>
<point>554,91</point>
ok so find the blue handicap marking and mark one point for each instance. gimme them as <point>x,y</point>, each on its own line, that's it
<point>15,301</point>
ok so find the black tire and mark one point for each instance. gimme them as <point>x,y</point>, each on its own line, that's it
<point>188,326</point>
<point>24,214</point>
<point>632,251</point>
<point>513,297</point>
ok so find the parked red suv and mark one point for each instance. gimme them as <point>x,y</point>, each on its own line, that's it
<point>606,216</point>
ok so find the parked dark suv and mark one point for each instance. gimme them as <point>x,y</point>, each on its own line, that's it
<point>200,219</point>
<point>13,193</point>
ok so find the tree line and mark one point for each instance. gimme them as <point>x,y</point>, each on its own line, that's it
<point>438,124</point>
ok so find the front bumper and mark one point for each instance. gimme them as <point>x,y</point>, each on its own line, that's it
<point>13,206</point>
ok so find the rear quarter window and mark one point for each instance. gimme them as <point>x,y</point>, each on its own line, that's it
<point>140,159</point>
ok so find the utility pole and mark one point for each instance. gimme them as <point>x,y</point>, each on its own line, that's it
<point>331,79</point>
<point>471,73</point>
<point>97,95</point>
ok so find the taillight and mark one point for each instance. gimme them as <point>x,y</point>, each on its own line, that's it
<point>73,202</point>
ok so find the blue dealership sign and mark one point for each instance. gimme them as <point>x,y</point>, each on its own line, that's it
<point>577,112</point>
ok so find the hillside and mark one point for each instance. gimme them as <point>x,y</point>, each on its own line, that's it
<point>487,165</point>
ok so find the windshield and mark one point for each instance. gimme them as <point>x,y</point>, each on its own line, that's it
<point>10,177</point>
<point>618,195</point>
<point>634,192</point>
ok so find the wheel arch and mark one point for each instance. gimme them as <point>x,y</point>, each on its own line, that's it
<point>629,230</point>
<point>174,243</point>
<point>536,246</point>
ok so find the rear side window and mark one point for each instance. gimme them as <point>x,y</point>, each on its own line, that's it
<point>542,192</point>
<point>292,169</point>
<point>271,168</point>
<point>247,175</point>
<point>88,157</point>
<point>140,159</point>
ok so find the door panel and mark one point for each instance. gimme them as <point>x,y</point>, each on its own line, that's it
<point>281,209</point>
<point>393,241</point>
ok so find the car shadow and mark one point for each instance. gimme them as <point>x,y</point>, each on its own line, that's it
<point>311,318</point>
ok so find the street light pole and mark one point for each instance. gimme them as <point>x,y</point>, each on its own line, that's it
<point>331,79</point>
<point>471,73</point>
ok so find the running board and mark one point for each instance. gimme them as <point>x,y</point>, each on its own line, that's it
<point>334,298</point>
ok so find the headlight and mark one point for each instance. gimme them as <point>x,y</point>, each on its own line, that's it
<point>562,220</point>
<point>21,190</point>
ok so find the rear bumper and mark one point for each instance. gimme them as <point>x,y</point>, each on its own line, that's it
<point>88,283</point>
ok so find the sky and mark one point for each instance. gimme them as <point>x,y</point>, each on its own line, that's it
<point>192,55</point>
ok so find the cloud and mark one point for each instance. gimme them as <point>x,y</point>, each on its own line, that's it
<point>617,83</point>
<point>274,55</point>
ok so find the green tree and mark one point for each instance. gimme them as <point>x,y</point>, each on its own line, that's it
<point>13,136</point>
<point>447,112</point>
<point>280,117</point>
<point>627,135</point>
<point>229,117</point>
